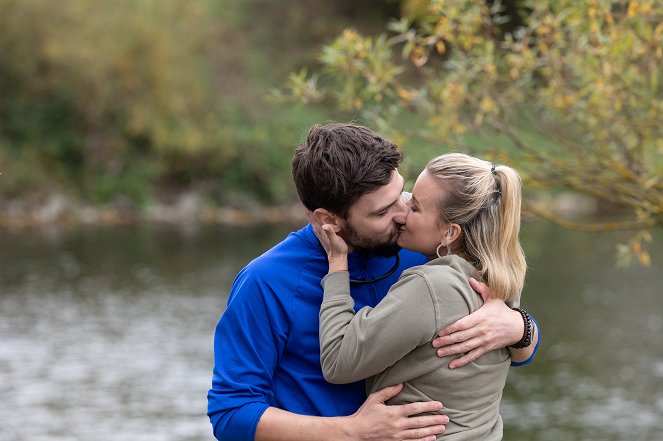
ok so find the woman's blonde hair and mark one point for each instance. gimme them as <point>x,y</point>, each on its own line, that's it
<point>485,201</point>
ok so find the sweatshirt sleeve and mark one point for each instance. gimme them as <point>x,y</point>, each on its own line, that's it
<point>248,341</point>
<point>357,346</point>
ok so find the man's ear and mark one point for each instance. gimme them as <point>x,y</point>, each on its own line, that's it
<point>323,216</point>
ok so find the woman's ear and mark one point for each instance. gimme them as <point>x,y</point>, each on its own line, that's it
<point>453,233</point>
<point>322,216</point>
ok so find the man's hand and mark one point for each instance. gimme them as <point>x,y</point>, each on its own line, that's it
<point>492,326</point>
<point>376,421</point>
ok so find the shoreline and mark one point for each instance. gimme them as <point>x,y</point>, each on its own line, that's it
<point>58,211</point>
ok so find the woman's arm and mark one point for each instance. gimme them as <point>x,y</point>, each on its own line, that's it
<point>357,346</point>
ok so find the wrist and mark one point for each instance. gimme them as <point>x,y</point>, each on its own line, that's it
<point>343,429</point>
<point>528,330</point>
<point>338,264</point>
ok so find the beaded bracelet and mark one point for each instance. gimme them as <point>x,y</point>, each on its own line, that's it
<point>527,334</point>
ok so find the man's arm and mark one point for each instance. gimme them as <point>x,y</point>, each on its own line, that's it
<point>248,341</point>
<point>373,421</point>
<point>523,356</point>
<point>492,326</point>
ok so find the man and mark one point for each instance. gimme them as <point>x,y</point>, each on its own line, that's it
<point>267,382</point>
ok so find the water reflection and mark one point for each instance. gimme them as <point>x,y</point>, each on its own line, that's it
<point>107,334</point>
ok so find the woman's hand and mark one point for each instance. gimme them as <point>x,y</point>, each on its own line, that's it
<point>336,248</point>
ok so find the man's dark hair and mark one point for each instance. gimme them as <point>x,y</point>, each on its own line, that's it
<point>339,163</point>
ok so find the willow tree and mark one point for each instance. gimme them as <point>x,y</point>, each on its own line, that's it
<point>568,91</point>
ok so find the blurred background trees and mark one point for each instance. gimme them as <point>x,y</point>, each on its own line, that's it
<point>568,92</point>
<point>128,103</point>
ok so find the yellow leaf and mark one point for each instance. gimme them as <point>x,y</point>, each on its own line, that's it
<point>440,47</point>
<point>487,104</point>
<point>442,27</point>
<point>644,259</point>
<point>458,128</point>
<point>405,94</point>
<point>419,57</point>
<point>632,8</point>
<point>349,34</point>
<point>658,30</point>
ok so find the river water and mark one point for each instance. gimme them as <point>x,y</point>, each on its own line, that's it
<point>106,334</point>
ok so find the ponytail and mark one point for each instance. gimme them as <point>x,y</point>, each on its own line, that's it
<point>485,201</point>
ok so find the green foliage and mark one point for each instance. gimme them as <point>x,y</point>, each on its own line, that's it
<point>127,80</point>
<point>572,96</point>
<point>131,99</point>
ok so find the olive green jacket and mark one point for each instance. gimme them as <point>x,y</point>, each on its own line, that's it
<point>391,344</point>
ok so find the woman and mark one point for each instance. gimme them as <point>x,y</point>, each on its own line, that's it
<point>465,216</point>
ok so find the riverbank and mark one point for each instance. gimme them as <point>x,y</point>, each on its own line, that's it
<point>189,208</point>
<point>58,210</point>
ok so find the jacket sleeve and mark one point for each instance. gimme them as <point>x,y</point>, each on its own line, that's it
<point>357,346</point>
<point>248,341</point>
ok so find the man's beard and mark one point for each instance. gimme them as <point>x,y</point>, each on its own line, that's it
<point>369,245</point>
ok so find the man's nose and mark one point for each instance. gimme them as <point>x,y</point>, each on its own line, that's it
<point>402,210</point>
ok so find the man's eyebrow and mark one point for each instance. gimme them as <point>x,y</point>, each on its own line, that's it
<point>386,207</point>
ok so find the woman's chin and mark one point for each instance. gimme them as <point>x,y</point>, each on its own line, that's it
<point>403,244</point>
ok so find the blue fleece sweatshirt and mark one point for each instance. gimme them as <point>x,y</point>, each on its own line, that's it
<point>266,347</point>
